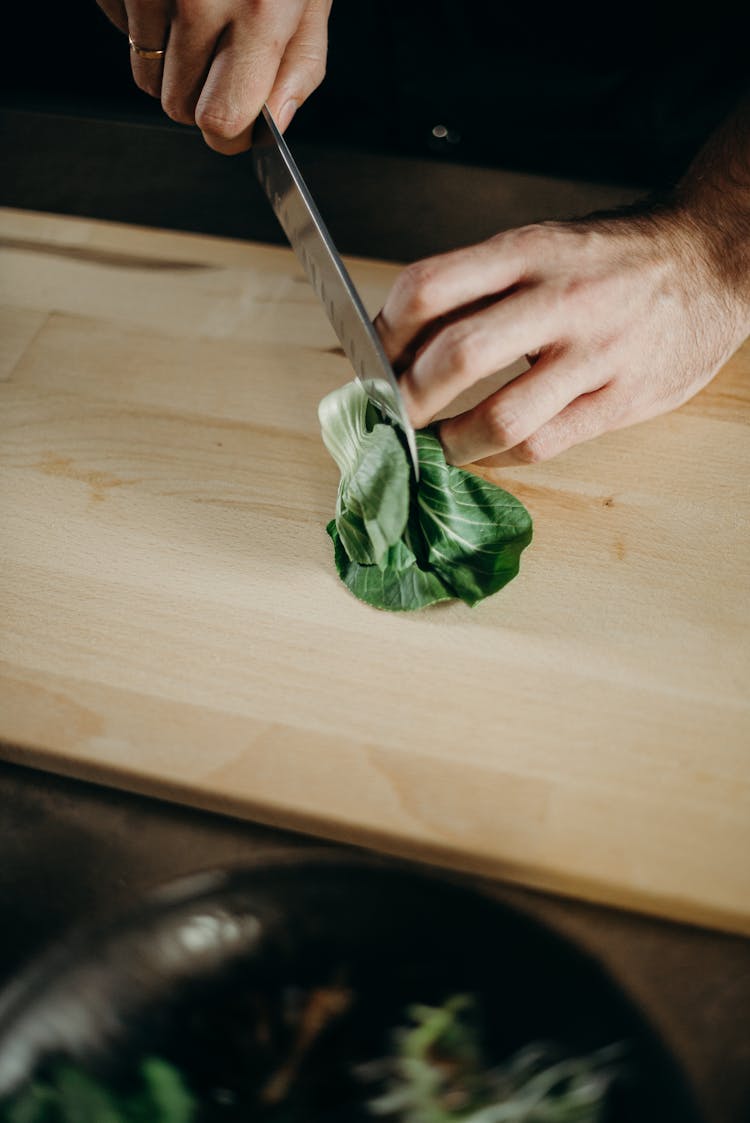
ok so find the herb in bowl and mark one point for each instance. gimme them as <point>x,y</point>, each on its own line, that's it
<point>437,1073</point>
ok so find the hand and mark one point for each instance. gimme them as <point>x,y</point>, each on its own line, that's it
<point>622,318</point>
<point>225,58</point>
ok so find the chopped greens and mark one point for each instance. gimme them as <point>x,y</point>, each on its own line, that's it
<point>437,1075</point>
<point>70,1095</point>
<point>400,544</point>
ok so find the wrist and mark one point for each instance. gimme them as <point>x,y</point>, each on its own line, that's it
<point>712,201</point>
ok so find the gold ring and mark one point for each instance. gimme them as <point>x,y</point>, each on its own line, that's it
<point>145,52</point>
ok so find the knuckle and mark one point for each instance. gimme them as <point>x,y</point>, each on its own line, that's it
<point>225,147</point>
<point>190,11</point>
<point>461,349</point>
<point>415,289</point>
<point>222,121</point>
<point>504,429</point>
<point>531,451</point>
<point>529,240</point>
<point>579,290</point>
<point>274,47</point>
<point>176,109</point>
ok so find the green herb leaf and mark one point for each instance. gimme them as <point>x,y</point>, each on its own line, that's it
<point>399,585</point>
<point>475,531</point>
<point>167,1099</point>
<point>402,545</point>
<point>83,1100</point>
<point>436,1074</point>
<point>71,1095</point>
<point>35,1104</point>
<point>373,503</point>
<point>373,499</point>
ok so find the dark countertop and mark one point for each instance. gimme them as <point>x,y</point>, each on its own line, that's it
<point>380,205</point>
<point>71,851</point>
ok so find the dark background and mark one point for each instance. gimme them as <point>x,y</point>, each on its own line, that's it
<point>620,94</point>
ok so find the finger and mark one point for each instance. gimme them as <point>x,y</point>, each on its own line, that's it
<point>303,66</point>
<point>508,417</point>
<point>241,77</point>
<point>115,12</point>
<point>474,348</point>
<point>148,27</point>
<point>439,285</point>
<point>587,417</point>
<point>192,46</point>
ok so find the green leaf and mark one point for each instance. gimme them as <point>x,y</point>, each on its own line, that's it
<point>73,1096</point>
<point>373,499</point>
<point>83,1100</point>
<point>344,417</point>
<point>403,545</point>
<point>437,1074</point>
<point>475,531</point>
<point>373,503</point>
<point>170,1100</point>
<point>399,585</point>
<point>35,1104</point>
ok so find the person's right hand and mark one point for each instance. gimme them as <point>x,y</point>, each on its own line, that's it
<point>621,317</point>
<point>224,58</point>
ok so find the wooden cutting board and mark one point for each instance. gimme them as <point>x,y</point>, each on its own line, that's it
<point>172,622</point>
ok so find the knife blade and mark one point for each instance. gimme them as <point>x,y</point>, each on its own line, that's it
<point>308,236</point>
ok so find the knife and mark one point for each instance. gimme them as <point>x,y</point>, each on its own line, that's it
<point>300,220</point>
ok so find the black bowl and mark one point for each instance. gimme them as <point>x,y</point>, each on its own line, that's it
<point>184,976</point>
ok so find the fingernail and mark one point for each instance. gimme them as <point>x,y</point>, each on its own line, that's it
<point>287,111</point>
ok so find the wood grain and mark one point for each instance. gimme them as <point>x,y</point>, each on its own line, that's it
<point>172,622</point>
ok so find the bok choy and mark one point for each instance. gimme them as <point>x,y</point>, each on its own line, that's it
<point>400,544</point>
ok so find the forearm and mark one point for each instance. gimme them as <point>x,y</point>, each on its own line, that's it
<point>702,225</point>
<point>714,198</point>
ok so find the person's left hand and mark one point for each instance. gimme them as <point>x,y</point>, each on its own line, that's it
<point>621,318</point>
<point>215,62</point>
